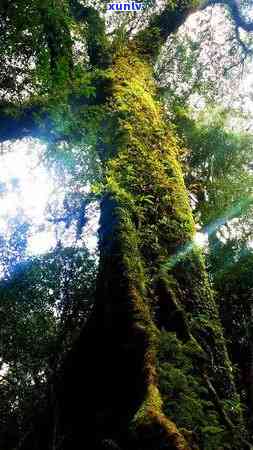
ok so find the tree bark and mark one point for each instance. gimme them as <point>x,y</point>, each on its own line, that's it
<point>150,272</point>
<point>151,276</point>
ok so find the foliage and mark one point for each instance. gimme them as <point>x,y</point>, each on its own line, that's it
<point>231,269</point>
<point>104,122</point>
<point>44,303</point>
<point>217,166</point>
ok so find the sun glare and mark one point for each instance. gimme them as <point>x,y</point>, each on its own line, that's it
<point>201,239</point>
<point>25,188</point>
<point>29,191</point>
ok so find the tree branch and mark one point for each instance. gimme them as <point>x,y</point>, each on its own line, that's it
<point>16,126</point>
<point>171,18</point>
<point>237,18</point>
<point>235,12</point>
<point>58,38</point>
<point>99,48</point>
<point>161,26</point>
<point>28,121</point>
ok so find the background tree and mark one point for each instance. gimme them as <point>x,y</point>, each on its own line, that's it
<point>44,303</point>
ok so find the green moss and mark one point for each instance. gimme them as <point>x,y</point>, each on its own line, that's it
<point>163,277</point>
<point>185,394</point>
<point>151,428</point>
<point>143,172</point>
<point>152,402</point>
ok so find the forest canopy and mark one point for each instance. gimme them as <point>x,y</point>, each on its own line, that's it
<point>134,333</point>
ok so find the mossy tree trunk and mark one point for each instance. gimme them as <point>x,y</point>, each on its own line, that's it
<point>152,279</point>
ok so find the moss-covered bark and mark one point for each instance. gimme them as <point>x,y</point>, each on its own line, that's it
<point>154,343</point>
<point>151,278</point>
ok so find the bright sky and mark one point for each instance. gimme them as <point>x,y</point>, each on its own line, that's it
<point>26,189</point>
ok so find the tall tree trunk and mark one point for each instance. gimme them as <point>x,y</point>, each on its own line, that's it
<point>151,277</point>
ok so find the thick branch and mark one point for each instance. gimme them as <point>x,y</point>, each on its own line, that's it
<point>161,26</point>
<point>17,126</point>
<point>239,21</point>
<point>99,48</point>
<point>235,12</point>
<point>57,34</point>
<point>172,17</point>
<point>29,121</point>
